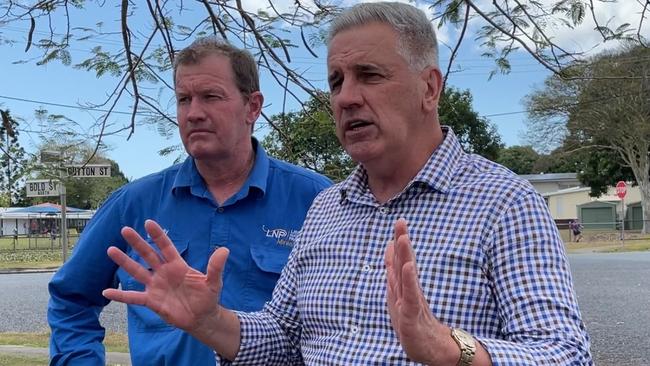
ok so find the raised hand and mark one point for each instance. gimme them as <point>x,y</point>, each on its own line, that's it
<point>422,336</point>
<point>181,295</point>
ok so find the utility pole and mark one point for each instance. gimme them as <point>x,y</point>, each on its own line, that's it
<point>64,221</point>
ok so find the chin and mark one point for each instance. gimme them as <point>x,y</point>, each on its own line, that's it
<point>361,154</point>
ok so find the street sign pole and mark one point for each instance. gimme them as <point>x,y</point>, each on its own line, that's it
<point>64,225</point>
<point>64,219</point>
<point>621,191</point>
<point>623,220</point>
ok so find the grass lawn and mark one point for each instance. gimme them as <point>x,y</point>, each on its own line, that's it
<point>14,360</point>
<point>637,245</point>
<point>114,342</point>
<point>7,243</point>
<point>22,259</point>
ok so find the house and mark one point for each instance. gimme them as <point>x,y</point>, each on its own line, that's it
<point>39,219</point>
<point>552,182</point>
<point>567,200</point>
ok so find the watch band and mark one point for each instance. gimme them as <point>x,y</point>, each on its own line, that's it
<point>467,346</point>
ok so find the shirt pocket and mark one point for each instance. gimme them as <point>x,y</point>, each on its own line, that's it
<point>141,317</point>
<point>270,258</point>
<point>268,261</point>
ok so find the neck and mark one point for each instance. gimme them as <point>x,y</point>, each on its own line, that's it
<point>225,177</point>
<point>388,177</point>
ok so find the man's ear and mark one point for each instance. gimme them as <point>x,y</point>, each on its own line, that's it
<point>255,103</point>
<point>433,82</point>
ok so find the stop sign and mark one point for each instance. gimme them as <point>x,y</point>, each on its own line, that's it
<point>621,189</point>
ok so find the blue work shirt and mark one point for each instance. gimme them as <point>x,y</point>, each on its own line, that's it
<point>258,225</point>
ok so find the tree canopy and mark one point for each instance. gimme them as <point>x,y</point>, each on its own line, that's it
<point>606,116</point>
<point>15,162</point>
<point>308,137</point>
<point>135,43</point>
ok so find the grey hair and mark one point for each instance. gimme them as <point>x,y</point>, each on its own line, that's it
<point>416,39</point>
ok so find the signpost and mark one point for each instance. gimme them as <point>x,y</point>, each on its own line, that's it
<point>53,187</point>
<point>621,191</point>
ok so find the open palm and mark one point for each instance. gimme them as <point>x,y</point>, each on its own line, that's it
<point>181,295</point>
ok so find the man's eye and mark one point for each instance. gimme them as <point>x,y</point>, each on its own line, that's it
<point>372,76</point>
<point>182,100</point>
<point>335,85</point>
<point>213,97</point>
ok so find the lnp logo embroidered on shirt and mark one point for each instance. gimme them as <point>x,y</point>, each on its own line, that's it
<point>282,236</point>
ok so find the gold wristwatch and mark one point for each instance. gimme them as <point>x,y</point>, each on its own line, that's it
<point>467,346</point>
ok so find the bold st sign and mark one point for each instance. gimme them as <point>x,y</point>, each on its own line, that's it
<point>42,188</point>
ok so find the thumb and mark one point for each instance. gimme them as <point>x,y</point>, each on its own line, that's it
<point>215,268</point>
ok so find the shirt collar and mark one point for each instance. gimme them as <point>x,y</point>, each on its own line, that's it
<point>188,175</point>
<point>437,173</point>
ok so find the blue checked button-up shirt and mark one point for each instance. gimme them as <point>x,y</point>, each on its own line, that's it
<point>489,257</point>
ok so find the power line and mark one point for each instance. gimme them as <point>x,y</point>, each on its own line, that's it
<point>73,106</point>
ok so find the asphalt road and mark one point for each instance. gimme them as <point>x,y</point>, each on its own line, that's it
<point>614,297</point>
<point>23,305</point>
<point>613,292</point>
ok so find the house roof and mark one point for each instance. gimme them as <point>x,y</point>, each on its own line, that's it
<point>46,208</point>
<point>566,191</point>
<point>554,177</point>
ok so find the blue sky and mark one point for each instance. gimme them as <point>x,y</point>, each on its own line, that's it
<point>26,87</point>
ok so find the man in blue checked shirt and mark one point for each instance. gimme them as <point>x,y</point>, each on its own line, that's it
<point>423,255</point>
<point>227,194</point>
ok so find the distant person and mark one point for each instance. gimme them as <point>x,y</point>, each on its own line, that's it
<point>576,229</point>
<point>423,255</point>
<point>227,194</point>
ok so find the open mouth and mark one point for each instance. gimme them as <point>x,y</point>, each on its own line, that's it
<point>358,124</point>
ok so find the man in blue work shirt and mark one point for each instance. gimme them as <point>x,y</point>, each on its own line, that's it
<point>227,193</point>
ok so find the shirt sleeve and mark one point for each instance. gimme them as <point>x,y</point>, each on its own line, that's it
<point>76,291</point>
<point>539,314</point>
<point>272,335</point>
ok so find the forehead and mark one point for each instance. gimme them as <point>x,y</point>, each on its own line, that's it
<point>372,43</point>
<point>207,69</point>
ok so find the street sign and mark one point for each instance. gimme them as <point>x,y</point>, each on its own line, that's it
<point>51,156</point>
<point>621,189</point>
<point>42,188</point>
<point>90,170</point>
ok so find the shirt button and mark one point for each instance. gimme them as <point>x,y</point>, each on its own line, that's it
<point>220,209</point>
<point>366,268</point>
<point>354,329</point>
<point>383,210</point>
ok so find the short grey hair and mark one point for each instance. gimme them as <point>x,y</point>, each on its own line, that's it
<point>416,39</point>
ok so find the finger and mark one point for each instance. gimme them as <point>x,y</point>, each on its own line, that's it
<point>158,235</point>
<point>141,247</point>
<point>389,254</point>
<point>215,268</point>
<point>390,271</point>
<point>398,261</point>
<point>129,265</point>
<point>401,228</point>
<point>127,297</point>
<point>404,251</point>
<point>412,292</point>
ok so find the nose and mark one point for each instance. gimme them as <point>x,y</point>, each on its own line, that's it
<point>349,95</point>
<point>195,111</point>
